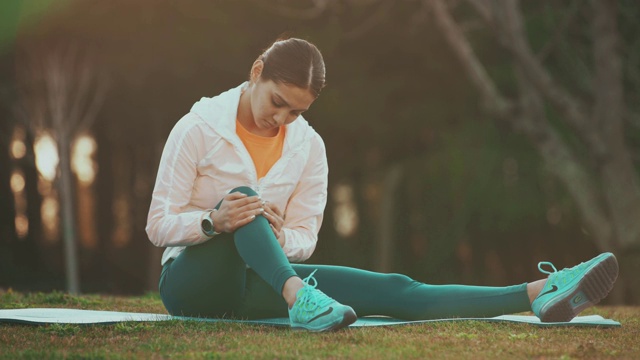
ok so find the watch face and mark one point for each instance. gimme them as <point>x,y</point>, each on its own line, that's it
<point>207,225</point>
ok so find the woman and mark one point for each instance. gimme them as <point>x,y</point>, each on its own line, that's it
<point>240,194</point>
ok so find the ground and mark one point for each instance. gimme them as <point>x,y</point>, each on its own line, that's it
<point>180,339</point>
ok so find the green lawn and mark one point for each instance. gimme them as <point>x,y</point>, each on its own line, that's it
<point>179,339</point>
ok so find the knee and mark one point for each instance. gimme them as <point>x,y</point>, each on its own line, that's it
<point>245,190</point>
<point>399,281</point>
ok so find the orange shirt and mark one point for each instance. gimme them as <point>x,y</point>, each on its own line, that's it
<point>264,151</point>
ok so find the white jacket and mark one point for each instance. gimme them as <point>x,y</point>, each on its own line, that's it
<point>204,159</point>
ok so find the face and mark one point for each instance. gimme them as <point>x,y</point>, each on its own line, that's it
<point>276,104</point>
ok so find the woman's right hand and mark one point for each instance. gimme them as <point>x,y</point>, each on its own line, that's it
<point>237,209</point>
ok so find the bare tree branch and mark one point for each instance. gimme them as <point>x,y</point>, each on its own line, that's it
<point>85,75</point>
<point>471,25</point>
<point>607,196</point>
<point>483,9</point>
<point>371,22</point>
<point>96,102</point>
<point>563,163</point>
<point>57,95</point>
<point>619,178</point>
<point>569,17</point>
<point>319,7</point>
<point>60,90</point>
<point>609,99</point>
<point>504,17</point>
<point>419,17</point>
<point>531,121</point>
<point>492,100</point>
<point>573,111</point>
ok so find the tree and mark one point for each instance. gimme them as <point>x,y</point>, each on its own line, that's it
<point>60,91</point>
<point>579,132</point>
<point>598,171</point>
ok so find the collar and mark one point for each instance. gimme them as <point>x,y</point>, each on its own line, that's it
<point>220,112</point>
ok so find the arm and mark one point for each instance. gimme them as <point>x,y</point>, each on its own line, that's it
<point>304,212</point>
<point>170,222</point>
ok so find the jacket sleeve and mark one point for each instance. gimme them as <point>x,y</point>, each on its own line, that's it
<point>304,212</point>
<point>170,222</point>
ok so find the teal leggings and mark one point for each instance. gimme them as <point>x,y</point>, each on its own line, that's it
<point>242,275</point>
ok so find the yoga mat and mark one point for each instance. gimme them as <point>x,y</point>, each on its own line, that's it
<point>37,316</point>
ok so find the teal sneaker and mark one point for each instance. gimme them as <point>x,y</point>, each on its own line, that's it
<point>569,291</point>
<point>315,311</point>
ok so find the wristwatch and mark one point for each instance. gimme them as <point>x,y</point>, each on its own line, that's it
<point>207,225</point>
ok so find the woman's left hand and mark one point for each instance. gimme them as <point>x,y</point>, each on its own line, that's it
<point>276,220</point>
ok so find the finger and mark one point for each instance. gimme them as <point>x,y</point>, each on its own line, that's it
<point>235,196</point>
<point>276,223</point>
<point>248,213</point>
<point>252,202</point>
<point>243,221</point>
<point>247,200</point>
<point>268,211</point>
<point>233,200</point>
<point>273,218</point>
<point>274,208</point>
<point>249,207</point>
<point>242,205</point>
<point>275,231</point>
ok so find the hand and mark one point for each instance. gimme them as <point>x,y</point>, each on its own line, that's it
<point>276,220</point>
<point>237,209</point>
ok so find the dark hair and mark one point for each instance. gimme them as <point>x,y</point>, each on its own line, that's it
<point>295,62</point>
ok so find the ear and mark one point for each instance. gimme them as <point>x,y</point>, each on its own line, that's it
<point>256,70</point>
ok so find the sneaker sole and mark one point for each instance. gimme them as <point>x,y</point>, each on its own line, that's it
<point>348,319</point>
<point>593,287</point>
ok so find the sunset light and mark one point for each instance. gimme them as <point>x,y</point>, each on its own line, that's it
<point>18,147</point>
<point>17,182</point>
<point>49,213</point>
<point>46,156</point>
<point>345,216</point>
<point>82,162</point>
<point>21,220</point>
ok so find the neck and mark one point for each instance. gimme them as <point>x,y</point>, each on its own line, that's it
<point>245,116</point>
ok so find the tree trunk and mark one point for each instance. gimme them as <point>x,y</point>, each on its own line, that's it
<point>620,185</point>
<point>387,227</point>
<point>609,197</point>
<point>68,216</point>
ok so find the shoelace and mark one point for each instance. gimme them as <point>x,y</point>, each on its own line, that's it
<point>313,298</point>
<point>562,274</point>
<point>545,271</point>
<point>540,264</point>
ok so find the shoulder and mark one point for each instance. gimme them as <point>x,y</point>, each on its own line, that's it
<point>190,125</point>
<point>304,132</point>
<point>317,149</point>
<point>317,144</point>
<point>192,135</point>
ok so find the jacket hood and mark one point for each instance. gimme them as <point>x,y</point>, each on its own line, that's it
<point>220,113</point>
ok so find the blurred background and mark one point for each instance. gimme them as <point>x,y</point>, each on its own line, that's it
<point>467,140</point>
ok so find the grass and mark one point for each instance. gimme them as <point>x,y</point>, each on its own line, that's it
<point>190,339</point>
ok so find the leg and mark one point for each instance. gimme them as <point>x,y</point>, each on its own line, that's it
<point>259,248</point>
<point>209,279</point>
<point>559,298</point>
<point>395,295</point>
<point>307,307</point>
<point>205,280</point>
